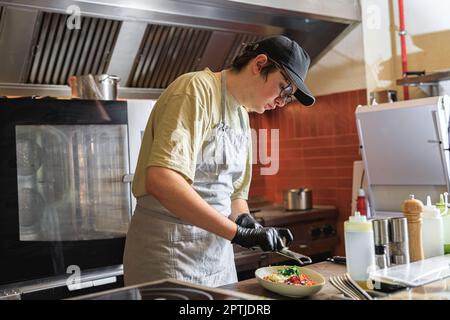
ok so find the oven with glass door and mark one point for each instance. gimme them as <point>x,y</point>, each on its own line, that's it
<point>65,208</point>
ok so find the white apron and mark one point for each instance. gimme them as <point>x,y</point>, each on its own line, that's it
<point>159,245</point>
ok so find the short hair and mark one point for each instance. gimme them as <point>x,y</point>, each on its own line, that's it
<point>240,61</point>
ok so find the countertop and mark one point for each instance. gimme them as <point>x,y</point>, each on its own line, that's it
<point>438,290</point>
<point>250,289</point>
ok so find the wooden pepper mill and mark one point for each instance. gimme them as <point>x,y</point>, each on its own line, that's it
<point>412,209</point>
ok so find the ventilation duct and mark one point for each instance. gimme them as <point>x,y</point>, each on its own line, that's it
<point>59,52</point>
<point>149,43</point>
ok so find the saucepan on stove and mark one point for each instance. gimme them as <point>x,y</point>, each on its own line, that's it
<point>298,199</point>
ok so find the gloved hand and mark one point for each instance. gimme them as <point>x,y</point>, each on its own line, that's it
<point>268,239</point>
<point>246,220</point>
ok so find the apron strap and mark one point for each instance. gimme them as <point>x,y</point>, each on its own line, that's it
<point>241,119</point>
<point>223,94</point>
<point>223,101</point>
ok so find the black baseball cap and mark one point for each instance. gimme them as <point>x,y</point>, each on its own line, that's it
<point>293,59</point>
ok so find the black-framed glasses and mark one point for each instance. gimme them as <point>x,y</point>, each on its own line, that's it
<point>287,92</point>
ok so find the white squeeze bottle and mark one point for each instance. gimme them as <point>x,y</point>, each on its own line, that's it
<point>359,248</point>
<point>446,225</point>
<point>432,232</point>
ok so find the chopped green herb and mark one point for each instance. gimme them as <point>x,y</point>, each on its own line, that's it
<point>290,271</point>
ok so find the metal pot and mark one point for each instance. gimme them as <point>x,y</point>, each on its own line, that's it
<point>298,199</point>
<point>94,87</point>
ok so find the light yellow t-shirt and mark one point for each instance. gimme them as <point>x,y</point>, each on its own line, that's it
<point>179,124</point>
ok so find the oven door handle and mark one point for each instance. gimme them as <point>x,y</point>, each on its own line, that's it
<point>128,178</point>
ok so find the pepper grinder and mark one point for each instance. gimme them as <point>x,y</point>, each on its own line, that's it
<point>412,210</point>
<point>381,238</point>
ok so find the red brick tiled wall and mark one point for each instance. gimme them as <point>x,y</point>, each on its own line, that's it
<point>316,150</point>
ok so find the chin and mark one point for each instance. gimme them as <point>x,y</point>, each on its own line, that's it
<point>259,110</point>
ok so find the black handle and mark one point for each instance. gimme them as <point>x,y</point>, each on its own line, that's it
<point>415,73</point>
<point>338,259</point>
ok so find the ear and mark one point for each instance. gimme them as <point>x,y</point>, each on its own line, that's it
<point>259,62</point>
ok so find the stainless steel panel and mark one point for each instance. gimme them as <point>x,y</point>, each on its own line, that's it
<point>86,46</point>
<point>94,50</point>
<point>171,72</point>
<point>21,89</point>
<point>220,14</point>
<point>70,182</point>
<point>148,46</point>
<point>16,32</point>
<point>184,56</point>
<point>60,52</point>
<point>162,49</point>
<point>404,151</point>
<point>112,38</point>
<point>127,45</point>
<point>199,25</point>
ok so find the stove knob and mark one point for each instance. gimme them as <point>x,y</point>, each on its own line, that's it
<point>315,232</point>
<point>328,230</point>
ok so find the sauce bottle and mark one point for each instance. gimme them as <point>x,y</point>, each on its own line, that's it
<point>446,224</point>
<point>432,234</point>
<point>361,202</point>
<point>359,248</point>
<point>441,204</point>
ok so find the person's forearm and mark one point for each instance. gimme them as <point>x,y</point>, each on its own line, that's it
<point>238,206</point>
<point>177,196</point>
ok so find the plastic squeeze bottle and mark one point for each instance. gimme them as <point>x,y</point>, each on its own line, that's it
<point>361,202</point>
<point>446,225</point>
<point>441,204</point>
<point>359,248</point>
<point>432,232</point>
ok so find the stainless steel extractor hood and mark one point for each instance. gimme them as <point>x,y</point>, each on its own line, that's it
<point>149,43</point>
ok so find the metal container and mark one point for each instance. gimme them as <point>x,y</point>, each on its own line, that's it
<point>381,240</point>
<point>399,244</point>
<point>94,87</point>
<point>298,199</point>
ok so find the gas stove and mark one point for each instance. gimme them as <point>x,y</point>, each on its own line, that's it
<point>168,289</point>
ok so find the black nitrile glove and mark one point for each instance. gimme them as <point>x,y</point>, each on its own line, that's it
<point>268,239</point>
<point>246,220</point>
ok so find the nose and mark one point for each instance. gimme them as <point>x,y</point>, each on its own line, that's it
<point>280,102</point>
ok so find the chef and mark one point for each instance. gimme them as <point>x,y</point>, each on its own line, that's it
<point>194,168</point>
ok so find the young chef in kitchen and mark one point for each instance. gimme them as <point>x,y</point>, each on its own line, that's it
<point>194,167</point>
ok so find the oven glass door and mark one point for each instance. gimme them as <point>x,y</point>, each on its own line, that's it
<point>69,182</point>
<point>63,202</point>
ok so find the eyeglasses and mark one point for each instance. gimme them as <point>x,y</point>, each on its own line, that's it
<point>287,92</point>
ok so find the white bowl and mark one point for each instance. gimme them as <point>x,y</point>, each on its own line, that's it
<point>296,291</point>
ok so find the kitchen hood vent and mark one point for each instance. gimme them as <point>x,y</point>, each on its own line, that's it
<point>169,51</point>
<point>238,47</point>
<point>165,53</point>
<point>147,44</point>
<point>59,52</point>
